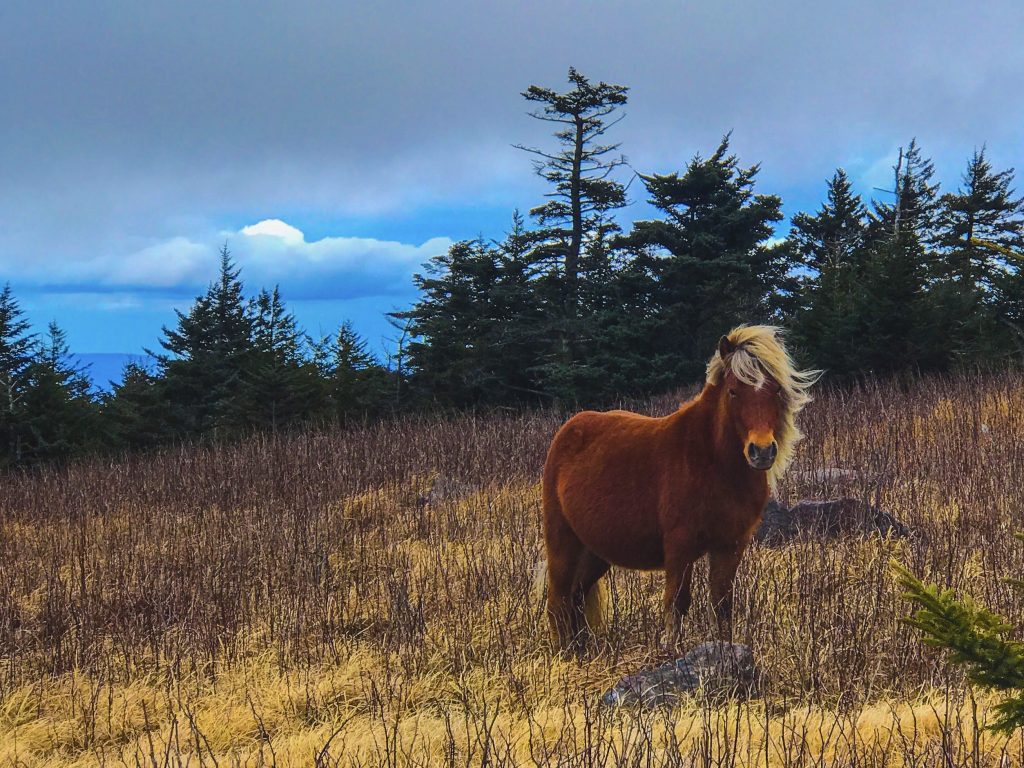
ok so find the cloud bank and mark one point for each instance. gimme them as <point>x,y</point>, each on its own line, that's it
<point>269,252</point>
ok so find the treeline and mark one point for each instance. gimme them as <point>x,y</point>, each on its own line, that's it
<point>577,309</point>
<point>231,365</point>
<point>570,306</point>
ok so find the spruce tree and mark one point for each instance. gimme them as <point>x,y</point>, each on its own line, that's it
<point>889,310</point>
<point>582,196</point>
<point>835,234</point>
<point>915,204</point>
<point>59,411</point>
<point>710,258</point>
<point>134,412</point>
<point>831,244</point>
<point>16,351</point>
<point>450,357</point>
<point>978,226</point>
<point>977,639</point>
<point>974,222</point>
<point>358,386</point>
<point>280,385</point>
<point>206,355</point>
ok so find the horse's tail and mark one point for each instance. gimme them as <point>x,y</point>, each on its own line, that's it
<point>596,603</point>
<point>597,606</point>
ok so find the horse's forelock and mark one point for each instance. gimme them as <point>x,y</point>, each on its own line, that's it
<point>759,353</point>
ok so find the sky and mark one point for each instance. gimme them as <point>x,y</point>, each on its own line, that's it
<point>336,146</point>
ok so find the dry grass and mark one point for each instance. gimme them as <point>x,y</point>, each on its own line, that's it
<point>303,600</point>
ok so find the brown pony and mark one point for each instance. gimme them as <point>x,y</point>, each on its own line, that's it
<point>658,494</point>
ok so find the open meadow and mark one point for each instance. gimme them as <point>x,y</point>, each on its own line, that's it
<point>363,597</point>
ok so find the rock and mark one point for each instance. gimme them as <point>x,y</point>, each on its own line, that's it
<point>443,488</point>
<point>827,476</point>
<point>831,518</point>
<point>715,666</point>
<point>777,524</point>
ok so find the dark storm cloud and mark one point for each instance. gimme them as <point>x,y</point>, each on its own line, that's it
<point>127,125</point>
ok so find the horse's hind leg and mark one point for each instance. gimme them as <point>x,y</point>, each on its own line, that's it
<point>565,611</point>
<point>564,551</point>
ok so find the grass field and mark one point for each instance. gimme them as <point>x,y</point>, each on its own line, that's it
<point>363,597</point>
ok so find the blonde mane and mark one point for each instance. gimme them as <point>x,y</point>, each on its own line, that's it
<point>759,353</point>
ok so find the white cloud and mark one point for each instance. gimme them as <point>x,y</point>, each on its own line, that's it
<point>274,228</point>
<point>269,252</point>
<point>272,251</point>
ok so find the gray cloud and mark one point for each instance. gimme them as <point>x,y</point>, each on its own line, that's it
<point>129,124</point>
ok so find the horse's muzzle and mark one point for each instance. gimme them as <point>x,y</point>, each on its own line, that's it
<point>762,456</point>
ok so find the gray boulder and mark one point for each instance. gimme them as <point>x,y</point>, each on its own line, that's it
<point>827,476</point>
<point>716,666</point>
<point>836,517</point>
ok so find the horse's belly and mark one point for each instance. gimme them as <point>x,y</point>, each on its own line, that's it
<point>626,542</point>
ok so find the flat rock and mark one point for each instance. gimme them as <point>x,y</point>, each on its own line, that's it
<point>827,476</point>
<point>715,666</point>
<point>443,488</point>
<point>835,517</point>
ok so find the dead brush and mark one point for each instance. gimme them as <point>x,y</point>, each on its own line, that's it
<point>293,599</point>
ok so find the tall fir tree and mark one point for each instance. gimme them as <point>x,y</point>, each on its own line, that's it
<point>890,309</point>
<point>358,387</point>
<point>979,220</point>
<point>280,385</point>
<point>979,227</point>
<point>915,203</point>
<point>710,258</point>
<point>60,413</point>
<point>16,351</point>
<point>206,355</point>
<point>451,357</point>
<point>134,412</point>
<point>831,246</point>
<point>582,196</point>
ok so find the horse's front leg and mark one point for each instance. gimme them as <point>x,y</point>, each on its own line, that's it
<point>722,565</point>
<point>677,599</point>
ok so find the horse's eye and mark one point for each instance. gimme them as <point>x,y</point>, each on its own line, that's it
<point>732,393</point>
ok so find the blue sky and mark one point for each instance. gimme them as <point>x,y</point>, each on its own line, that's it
<point>336,146</point>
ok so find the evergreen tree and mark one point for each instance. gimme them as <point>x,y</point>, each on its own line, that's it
<point>451,359</point>
<point>890,308</point>
<point>133,413</point>
<point>208,353</point>
<point>981,214</point>
<point>710,261</point>
<point>892,322</point>
<point>280,385</point>
<point>978,226</point>
<point>58,408</point>
<point>580,201</point>
<point>358,386</point>
<point>16,348</point>
<point>977,640</point>
<point>831,244</point>
<point>916,198</point>
<point>835,235</point>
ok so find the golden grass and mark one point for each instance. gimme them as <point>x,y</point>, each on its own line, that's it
<point>370,623</point>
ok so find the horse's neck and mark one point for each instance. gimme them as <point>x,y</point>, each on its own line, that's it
<point>701,427</point>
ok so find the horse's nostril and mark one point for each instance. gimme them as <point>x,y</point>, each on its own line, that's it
<point>752,450</point>
<point>773,450</point>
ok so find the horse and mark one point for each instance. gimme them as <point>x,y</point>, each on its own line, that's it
<point>624,489</point>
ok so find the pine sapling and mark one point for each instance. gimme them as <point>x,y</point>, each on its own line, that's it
<point>977,639</point>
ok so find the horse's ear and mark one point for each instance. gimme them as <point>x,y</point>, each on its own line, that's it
<point>725,347</point>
